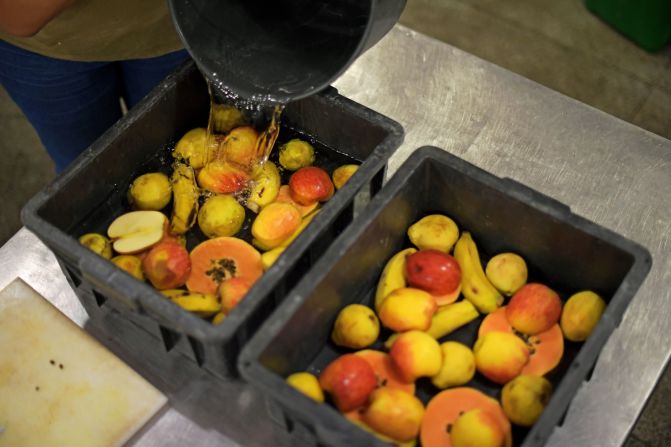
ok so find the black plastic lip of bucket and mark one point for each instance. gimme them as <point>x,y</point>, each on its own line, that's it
<point>382,15</point>
<point>141,297</point>
<point>324,421</point>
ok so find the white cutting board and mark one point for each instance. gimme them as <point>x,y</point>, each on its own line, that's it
<point>58,385</point>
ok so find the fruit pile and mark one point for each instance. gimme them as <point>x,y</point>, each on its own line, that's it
<point>519,340</point>
<point>208,188</point>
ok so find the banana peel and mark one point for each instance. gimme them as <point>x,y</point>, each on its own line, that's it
<point>475,286</point>
<point>393,276</point>
<point>265,186</point>
<point>185,198</point>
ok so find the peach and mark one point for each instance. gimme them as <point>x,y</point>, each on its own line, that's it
<point>434,271</point>
<point>167,265</point>
<point>500,356</point>
<point>416,354</point>
<point>406,309</point>
<point>342,174</point>
<point>534,308</point>
<point>130,264</point>
<point>239,146</point>
<point>309,185</point>
<point>349,380</point>
<point>222,178</point>
<point>274,224</point>
<point>232,291</point>
<point>581,314</point>
<point>394,413</point>
<point>477,428</point>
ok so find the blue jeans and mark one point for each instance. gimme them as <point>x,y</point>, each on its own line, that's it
<point>70,104</point>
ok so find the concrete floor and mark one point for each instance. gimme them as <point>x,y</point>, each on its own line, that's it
<point>556,43</point>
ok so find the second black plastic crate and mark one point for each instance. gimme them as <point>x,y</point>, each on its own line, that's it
<point>562,250</point>
<point>91,193</point>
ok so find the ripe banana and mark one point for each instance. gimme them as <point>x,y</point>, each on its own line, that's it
<point>474,284</point>
<point>185,198</point>
<point>201,304</point>
<point>451,317</point>
<point>266,186</point>
<point>393,276</point>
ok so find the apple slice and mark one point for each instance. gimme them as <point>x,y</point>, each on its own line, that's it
<point>136,231</point>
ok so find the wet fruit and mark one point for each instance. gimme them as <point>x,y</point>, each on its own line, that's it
<point>296,154</point>
<point>221,215</point>
<point>150,191</point>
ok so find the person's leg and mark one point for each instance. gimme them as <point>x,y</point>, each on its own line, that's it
<point>140,76</point>
<point>70,104</point>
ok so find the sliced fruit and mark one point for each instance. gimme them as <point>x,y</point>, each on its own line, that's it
<point>97,243</point>
<point>545,349</point>
<point>444,409</point>
<point>136,231</point>
<point>218,259</point>
<point>284,196</point>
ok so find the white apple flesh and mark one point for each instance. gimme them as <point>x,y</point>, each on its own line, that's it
<point>136,231</point>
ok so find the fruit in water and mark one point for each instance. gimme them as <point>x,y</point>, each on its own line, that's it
<point>191,149</point>
<point>284,196</point>
<point>184,198</point>
<point>220,177</point>
<point>342,174</point>
<point>97,243</point>
<point>239,147</point>
<point>265,186</point>
<point>296,154</point>
<point>221,215</point>
<point>167,265</point>
<point>310,185</point>
<point>150,191</point>
<point>136,231</point>
<point>225,117</point>
<point>274,224</point>
<point>216,260</point>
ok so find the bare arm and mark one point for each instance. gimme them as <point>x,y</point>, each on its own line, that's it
<point>24,18</point>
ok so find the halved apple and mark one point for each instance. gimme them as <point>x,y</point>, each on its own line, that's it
<point>136,231</point>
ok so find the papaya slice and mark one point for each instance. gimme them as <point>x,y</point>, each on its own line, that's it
<point>545,349</point>
<point>216,260</point>
<point>284,196</point>
<point>444,409</point>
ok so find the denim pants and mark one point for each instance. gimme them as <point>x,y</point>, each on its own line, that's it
<point>70,104</point>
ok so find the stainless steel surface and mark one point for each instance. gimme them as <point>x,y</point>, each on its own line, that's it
<point>605,169</point>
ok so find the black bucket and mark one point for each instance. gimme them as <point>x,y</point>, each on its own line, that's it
<point>279,51</point>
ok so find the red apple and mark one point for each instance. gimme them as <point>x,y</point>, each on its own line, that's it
<point>310,185</point>
<point>349,380</point>
<point>167,265</point>
<point>433,271</point>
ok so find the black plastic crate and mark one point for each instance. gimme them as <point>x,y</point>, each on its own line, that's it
<point>91,193</point>
<point>562,250</point>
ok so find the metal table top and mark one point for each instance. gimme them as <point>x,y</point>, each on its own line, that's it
<point>609,171</point>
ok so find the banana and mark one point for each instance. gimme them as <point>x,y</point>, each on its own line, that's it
<point>393,276</point>
<point>201,304</point>
<point>474,284</point>
<point>266,186</point>
<point>185,198</point>
<point>451,317</point>
<point>269,257</point>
